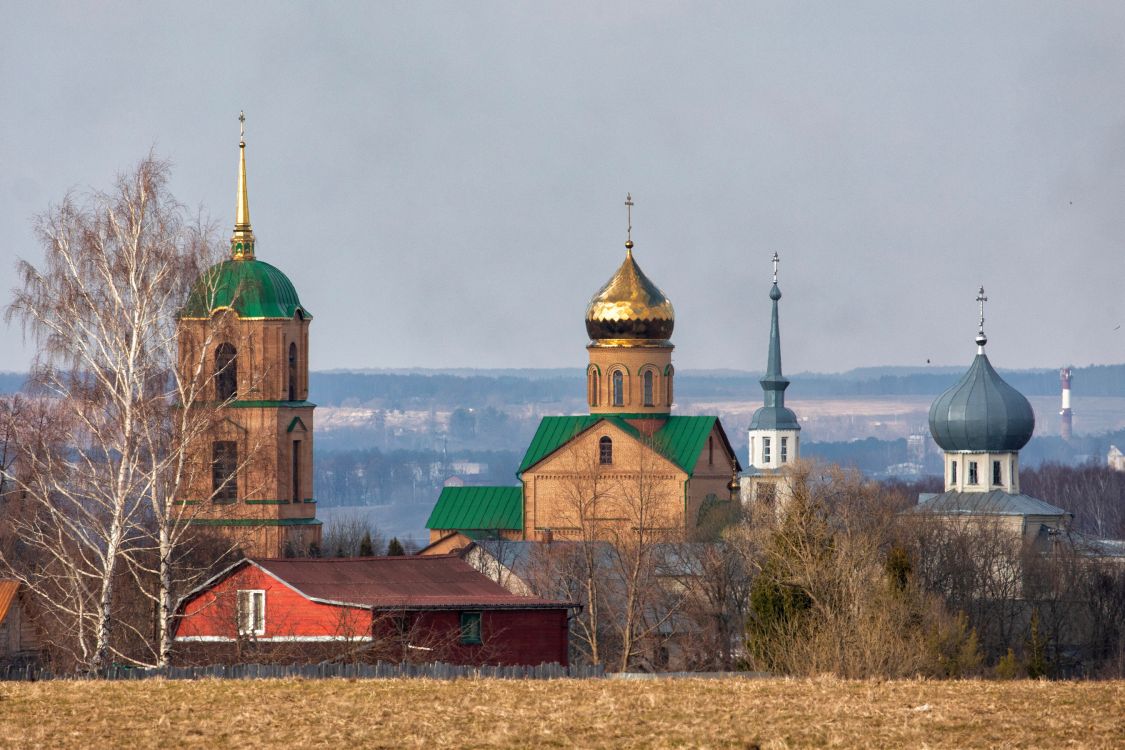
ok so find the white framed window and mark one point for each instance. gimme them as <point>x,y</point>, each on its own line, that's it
<point>972,472</point>
<point>784,450</point>
<point>997,479</point>
<point>765,450</point>
<point>251,612</point>
<point>953,472</point>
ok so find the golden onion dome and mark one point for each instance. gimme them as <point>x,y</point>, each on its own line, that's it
<point>630,307</point>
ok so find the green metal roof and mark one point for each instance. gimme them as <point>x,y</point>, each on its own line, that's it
<point>252,288</point>
<point>555,432</point>
<point>478,508</point>
<point>680,439</point>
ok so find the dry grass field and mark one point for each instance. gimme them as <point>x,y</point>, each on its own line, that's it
<point>715,713</point>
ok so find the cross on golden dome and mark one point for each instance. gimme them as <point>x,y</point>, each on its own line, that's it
<point>629,221</point>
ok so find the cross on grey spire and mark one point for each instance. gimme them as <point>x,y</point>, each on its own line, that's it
<point>981,338</point>
<point>775,260</point>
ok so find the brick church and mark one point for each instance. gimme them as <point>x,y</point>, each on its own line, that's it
<point>629,461</point>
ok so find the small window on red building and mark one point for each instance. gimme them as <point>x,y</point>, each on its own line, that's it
<point>251,612</point>
<point>470,628</point>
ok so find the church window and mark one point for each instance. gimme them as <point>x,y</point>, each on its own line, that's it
<point>784,450</point>
<point>605,450</point>
<point>972,472</point>
<point>668,374</point>
<point>594,385</point>
<point>996,479</point>
<point>765,450</point>
<point>226,372</point>
<point>618,388</point>
<point>953,472</point>
<point>224,468</point>
<point>296,479</point>
<point>648,387</point>
<point>293,372</point>
<point>470,628</point>
<point>251,612</point>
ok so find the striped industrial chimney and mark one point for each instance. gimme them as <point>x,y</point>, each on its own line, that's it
<point>1065,417</point>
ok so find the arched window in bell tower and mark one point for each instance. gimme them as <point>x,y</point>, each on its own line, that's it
<point>593,385</point>
<point>293,371</point>
<point>618,388</point>
<point>226,372</point>
<point>647,379</point>
<point>669,374</point>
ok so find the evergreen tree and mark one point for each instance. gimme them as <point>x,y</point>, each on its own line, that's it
<point>366,548</point>
<point>395,548</point>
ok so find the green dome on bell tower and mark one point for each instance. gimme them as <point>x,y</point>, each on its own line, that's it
<point>253,289</point>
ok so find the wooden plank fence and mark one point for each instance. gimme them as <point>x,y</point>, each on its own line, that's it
<point>378,670</point>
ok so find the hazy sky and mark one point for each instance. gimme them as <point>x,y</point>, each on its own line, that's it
<point>444,181</point>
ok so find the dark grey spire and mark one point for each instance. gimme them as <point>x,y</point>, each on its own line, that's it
<point>774,415</point>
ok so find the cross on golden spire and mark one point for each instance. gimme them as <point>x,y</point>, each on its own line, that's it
<point>242,241</point>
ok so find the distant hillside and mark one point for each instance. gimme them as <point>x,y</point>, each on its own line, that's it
<point>499,387</point>
<point>12,382</point>
<point>401,389</point>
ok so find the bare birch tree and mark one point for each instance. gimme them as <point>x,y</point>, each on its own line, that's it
<point>102,308</point>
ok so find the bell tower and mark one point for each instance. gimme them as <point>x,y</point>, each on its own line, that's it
<point>775,434</point>
<point>246,327</point>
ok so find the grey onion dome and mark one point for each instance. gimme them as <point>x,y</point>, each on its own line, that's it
<point>981,413</point>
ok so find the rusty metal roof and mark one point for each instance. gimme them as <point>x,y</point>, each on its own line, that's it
<point>405,582</point>
<point>8,590</point>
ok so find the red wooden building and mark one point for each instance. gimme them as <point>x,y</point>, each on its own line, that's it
<point>20,640</point>
<point>434,608</point>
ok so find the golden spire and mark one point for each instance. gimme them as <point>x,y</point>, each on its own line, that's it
<point>242,241</point>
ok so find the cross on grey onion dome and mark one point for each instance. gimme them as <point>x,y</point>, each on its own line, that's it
<point>981,412</point>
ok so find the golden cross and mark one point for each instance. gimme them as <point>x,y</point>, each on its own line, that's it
<point>629,216</point>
